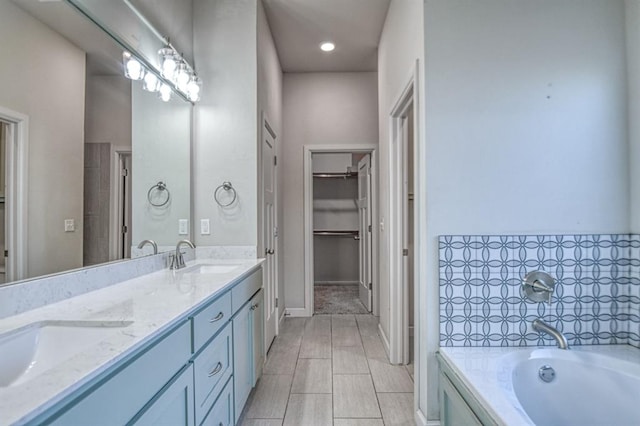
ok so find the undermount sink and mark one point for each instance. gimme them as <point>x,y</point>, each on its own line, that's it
<point>31,350</point>
<point>209,268</point>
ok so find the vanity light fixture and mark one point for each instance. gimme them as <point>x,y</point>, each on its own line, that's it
<point>175,75</point>
<point>327,46</point>
<point>133,69</point>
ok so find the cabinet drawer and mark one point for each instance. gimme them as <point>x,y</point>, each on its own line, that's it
<point>245,289</point>
<point>212,369</point>
<point>208,321</point>
<point>222,412</point>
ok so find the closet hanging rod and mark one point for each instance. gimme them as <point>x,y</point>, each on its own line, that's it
<point>337,233</point>
<point>335,175</point>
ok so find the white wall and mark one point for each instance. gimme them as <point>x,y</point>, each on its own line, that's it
<point>632,13</point>
<point>42,75</point>
<point>161,133</point>
<point>525,124</point>
<point>270,103</point>
<point>318,109</point>
<point>225,131</point>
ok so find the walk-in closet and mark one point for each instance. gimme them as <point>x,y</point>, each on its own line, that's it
<point>341,235</point>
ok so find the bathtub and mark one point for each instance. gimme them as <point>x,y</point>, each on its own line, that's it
<point>589,385</point>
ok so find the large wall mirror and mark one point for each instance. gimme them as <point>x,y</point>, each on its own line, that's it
<point>87,157</point>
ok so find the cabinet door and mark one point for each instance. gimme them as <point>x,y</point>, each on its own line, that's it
<point>119,399</point>
<point>173,406</point>
<point>257,330</point>
<point>242,357</point>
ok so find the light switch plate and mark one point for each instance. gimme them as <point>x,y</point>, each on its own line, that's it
<point>205,229</point>
<point>183,226</point>
<point>69,225</point>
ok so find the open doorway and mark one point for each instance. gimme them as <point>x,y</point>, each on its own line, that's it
<point>13,197</point>
<point>340,277</point>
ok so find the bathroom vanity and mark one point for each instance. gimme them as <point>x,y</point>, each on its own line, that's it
<point>171,347</point>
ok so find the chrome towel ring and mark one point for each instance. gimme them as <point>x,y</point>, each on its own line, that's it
<point>227,187</point>
<point>158,189</point>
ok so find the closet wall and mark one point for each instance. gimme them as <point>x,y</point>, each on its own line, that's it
<point>335,211</point>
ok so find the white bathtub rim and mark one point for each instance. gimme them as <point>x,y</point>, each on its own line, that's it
<point>486,372</point>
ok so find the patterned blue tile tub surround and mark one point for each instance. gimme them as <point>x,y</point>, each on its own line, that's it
<point>596,301</point>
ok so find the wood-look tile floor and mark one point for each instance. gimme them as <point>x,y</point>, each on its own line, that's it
<point>330,370</point>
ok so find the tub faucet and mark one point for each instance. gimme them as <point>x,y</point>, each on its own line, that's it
<point>151,243</point>
<point>542,327</point>
<point>177,260</point>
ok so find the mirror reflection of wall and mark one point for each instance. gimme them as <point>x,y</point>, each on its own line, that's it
<point>63,75</point>
<point>161,134</point>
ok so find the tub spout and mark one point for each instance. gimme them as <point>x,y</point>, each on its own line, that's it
<point>542,327</point>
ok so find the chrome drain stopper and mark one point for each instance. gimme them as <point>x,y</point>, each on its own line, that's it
<point>546,373</point>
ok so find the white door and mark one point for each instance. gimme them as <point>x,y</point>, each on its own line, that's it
<point>269,237</point>
<point>364,215</point>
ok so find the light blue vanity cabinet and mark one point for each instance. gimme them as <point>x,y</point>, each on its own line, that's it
<point>200,372</point>
<point>247,349</point>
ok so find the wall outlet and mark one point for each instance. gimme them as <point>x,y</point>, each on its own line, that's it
<point>69,225</point>
<point>183,226</point>
<point>204,227</point>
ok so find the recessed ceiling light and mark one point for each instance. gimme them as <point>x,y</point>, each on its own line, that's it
<point>327,46</point>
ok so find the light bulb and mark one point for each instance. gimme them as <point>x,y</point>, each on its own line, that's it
<point>133,69</point>
<point>168,62</point>
<point>151,82</point>
<point>193,89</point>
<point>165,92</point>
<point>327,46</point>
<point>183,75</point>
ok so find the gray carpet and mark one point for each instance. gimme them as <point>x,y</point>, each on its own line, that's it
<point>337,299</point>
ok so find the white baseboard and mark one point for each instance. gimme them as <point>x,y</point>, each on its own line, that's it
<point>385,340</point>
<point>297,312</point>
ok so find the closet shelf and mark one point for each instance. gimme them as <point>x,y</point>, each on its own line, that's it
<point>335,175</point>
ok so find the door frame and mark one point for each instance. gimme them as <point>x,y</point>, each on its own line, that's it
<point>115,212</point>
<point>398,291</point>
<point>309,150</point>
<point>17,174</point>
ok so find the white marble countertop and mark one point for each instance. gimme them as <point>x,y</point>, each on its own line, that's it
<point>487,373</point>
<point>153,303</point>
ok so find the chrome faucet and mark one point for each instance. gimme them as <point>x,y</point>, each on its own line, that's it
<point>542,327</point>
<point>151,243</point>
<point>177,260</point>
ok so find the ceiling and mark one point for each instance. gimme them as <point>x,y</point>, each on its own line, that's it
<point>299,26</point>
